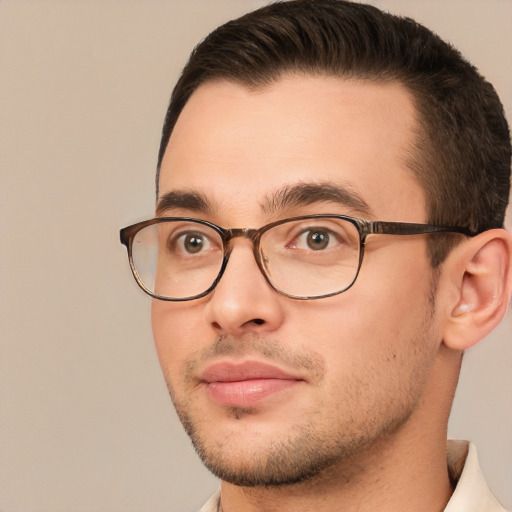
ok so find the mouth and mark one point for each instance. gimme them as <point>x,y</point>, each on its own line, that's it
<point>245,384</point>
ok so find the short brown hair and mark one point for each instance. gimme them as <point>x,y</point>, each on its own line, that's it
<point>461,153</point>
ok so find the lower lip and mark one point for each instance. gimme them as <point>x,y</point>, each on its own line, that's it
<point>245,393</point>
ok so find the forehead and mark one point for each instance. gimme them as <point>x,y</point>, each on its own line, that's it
<point>237,145</point>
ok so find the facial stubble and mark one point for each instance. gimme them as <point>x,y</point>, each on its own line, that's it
<point>305,450</point>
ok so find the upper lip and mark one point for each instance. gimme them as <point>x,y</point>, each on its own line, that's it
<point>247,370</point>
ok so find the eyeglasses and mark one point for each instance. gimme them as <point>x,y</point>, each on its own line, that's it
<point>308,257</point>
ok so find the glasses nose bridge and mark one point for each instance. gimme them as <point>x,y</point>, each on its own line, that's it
<point>249,233</point>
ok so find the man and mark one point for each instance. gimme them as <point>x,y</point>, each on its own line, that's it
<point>328,241</point>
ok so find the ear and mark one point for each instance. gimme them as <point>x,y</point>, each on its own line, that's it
<point>481,271</point>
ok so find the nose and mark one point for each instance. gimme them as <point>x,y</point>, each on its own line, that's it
<point>243,301</point>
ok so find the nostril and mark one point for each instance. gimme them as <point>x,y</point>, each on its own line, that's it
<point>255,321</point>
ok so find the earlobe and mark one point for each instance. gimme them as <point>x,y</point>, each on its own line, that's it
<point>483,268</point>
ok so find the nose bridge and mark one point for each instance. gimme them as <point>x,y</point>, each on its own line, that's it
<point>242,300</point>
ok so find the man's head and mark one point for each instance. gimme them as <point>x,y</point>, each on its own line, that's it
<point>461,148</point>
<point>332,108</point>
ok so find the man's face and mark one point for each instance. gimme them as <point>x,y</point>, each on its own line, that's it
<point>274,390</point>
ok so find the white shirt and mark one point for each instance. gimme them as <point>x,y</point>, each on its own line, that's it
<point>471,492</point>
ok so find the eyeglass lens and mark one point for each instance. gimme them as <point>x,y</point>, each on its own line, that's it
<point>302,258</point>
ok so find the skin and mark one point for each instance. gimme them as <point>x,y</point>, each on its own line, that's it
<point>374,380</point>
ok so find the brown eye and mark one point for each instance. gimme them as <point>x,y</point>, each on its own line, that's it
<point>193,243</point>
<point>317,240</point>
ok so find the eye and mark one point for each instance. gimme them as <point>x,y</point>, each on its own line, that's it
<point>187,241</point>
<point>315,239</point>
<point>192,242</point>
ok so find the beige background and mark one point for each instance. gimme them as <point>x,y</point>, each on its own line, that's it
<point>85,421</point>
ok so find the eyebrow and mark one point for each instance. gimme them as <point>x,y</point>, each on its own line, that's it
<point>286,198</point>
<point>183,199</point>
<point>304,194</point>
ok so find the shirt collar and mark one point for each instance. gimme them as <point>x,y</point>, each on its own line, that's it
<point>471,492</point>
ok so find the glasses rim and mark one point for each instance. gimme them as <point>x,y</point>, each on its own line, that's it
<point>363,227</point>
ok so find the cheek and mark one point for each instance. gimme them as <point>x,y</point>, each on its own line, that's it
<point>397,310</point>
<point>395,279</point>
<point>177,332</point>
<point>379,354</point>
<point>376,320</point>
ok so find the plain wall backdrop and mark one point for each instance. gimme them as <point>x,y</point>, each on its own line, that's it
<point>86,424</point>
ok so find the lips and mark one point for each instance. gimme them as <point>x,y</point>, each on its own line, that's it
<point>245,384</point>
